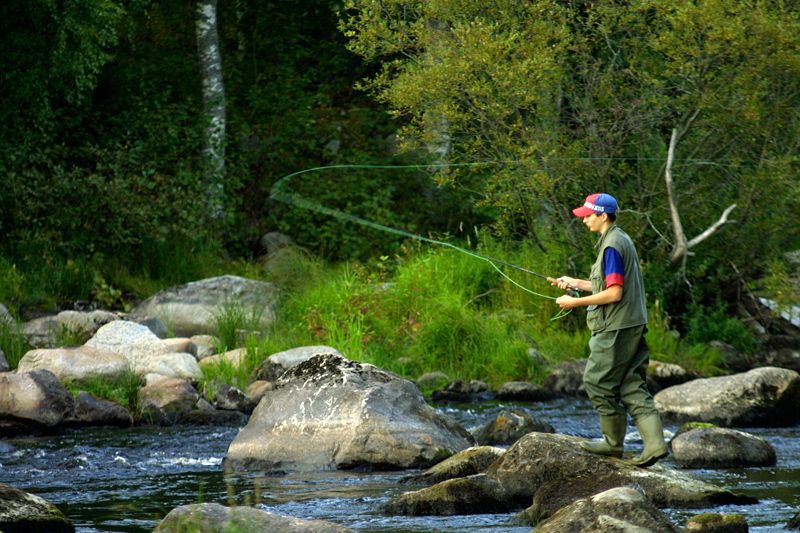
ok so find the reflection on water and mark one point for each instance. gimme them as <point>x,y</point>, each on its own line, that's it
<point>127,480</point>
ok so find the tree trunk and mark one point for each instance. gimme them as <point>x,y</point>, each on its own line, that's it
<point>213,102</point>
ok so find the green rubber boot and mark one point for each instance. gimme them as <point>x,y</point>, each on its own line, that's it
<point>613,428</point>
<point>652,433</point>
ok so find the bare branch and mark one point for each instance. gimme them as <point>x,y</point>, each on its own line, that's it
<point>712,228</point>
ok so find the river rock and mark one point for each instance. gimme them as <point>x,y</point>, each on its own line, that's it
<point>205,345</point>
<point>567,378</point>
<point>509,425</point>
<point>794,523</point>
<point>257,389</point>
<point>433,380</point>
<point>766,396</point>
<point>174,365</point>
<point>135,341</point>
<point>213,517</point>
<point>5,317</point>
<point>180,345</point>
<point>476,494</point>
<point>76,364</point>
<point>717,523</point>
<point>465,463</point>
<point>165,402</point>
<point>40,332</point>
<point>524,391</point>
<point>4,366</point>
<point>228,398</point>
<point>21,511</point>
<point>733,360</point>
<point>90,410</point>
<point>276,364</point>
<point>461,391</point>
<point>193,308</point>
<point>83,324</point>
<point>721,448</point>
<point>235,358</point>
<point>37,396</point>
<point>617,509</point>
<point>544,461</point>
<point>664,375</point>
<point>329,412</point>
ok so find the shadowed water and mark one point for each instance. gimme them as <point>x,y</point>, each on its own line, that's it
<point>127,480</point>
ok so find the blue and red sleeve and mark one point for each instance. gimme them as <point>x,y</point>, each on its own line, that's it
<point>612,267</point>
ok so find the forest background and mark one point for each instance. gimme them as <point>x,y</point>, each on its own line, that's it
<point>119,178</point>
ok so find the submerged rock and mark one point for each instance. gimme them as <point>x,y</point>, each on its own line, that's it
<point>21,511</point>
<point>213,517</point>
<point>617,509</point>
<point>329,412</point>
<point>558,466</point>
<point>766,396</point>
<point>717,523</point>
<point>465,463</point>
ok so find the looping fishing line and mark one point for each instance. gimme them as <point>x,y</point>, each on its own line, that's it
<point>278,193</point>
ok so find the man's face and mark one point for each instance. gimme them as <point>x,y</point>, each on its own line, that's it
<point>594,222</point>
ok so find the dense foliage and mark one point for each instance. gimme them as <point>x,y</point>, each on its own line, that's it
<point>103,133</point>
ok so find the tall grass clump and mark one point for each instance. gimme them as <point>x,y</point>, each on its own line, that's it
<point>12,341</point>
<point>122,390</point>
<point>237,375</point>
<point>233,322</point>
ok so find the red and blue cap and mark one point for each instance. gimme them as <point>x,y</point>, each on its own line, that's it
<point>596,204</point>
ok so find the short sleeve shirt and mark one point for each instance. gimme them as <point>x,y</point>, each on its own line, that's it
<point>613,271</point>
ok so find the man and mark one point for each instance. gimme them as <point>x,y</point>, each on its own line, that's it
<point>615,375</point>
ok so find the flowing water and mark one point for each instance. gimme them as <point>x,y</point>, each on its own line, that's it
<point>128,479</point>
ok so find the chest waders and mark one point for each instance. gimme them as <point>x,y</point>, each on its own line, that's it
<point>615,376</point>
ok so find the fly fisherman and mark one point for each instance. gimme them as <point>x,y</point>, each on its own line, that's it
<point>615,375</point>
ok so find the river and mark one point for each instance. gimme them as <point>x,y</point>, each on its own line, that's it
<point>126,480</point>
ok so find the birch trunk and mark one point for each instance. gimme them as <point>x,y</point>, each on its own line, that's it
<point>213,102</point>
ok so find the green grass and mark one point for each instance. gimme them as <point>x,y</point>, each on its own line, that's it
<point>12,342</point>
<point>123,390</point>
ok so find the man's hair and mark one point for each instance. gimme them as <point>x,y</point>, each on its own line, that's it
<point>612,217</point>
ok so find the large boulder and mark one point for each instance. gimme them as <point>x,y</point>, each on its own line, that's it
<point>194,308</point>
<point>617,509</point>
<point>21,511</point>
<point>721,448</point>
<point>556,465</point>
<point>37,396</point>
<point>329,412</point>
<point>167,401</point>
<point>766,396</point>
<point>76,364</point>
<point>216,518</point>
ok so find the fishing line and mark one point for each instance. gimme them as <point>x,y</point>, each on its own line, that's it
<point>279,193</point>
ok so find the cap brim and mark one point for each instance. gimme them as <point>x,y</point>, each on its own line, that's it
<point>582,211</point>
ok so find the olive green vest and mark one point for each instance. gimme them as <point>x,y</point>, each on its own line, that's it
<point>631,310</point>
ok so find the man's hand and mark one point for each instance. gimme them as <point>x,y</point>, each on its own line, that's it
<point>566,302</point>
<point>564,282</point>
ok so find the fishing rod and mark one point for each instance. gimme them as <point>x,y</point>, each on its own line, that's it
<point>278,193</point>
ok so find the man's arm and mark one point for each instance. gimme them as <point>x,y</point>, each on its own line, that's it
<point>608,296</point>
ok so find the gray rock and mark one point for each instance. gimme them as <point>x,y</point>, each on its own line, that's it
<point>93,411</point>
<point>558,465</point>
<point>134,341</point>
<point>76,364</point>
<point>717,523</point>
<point>433,380</point>
<point>509,425</point>
<point>41,332</point>
<point>5,317</point>
<point>523,391</point>
<point>21,511</point>
<point>465,463</point>
<point>665,375</point>
<point>194,308</point>
<point>721,448</point>
<point>213,517</point>
<point>329,412</point>
<point>567,378</point>
<point>153,323</point>
<point>273,241</point>
<point>166,402</point>
<point>37,396</point>
<point>83,324</point>
<point>463,391</point>
<point>766,396</point>
<point>617,509</point>
<point>4,366</point>
<point>276,364</point>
